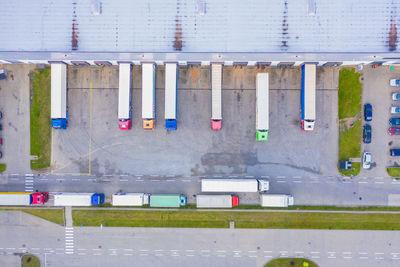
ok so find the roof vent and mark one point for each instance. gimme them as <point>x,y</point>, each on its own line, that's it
<point>312,6</point>
<point>201,7</point>
<point>96,7</point>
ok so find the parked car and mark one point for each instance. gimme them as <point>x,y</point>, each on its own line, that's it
<point>367,160</point>
<point>395,110</point>
<point>1,127</point>
<point>394,121</point>
<point>396,96</point>
<point>394,131</point>
<point>394,152</point>
<point>395,82</point>
<point>3,74</point>
<point>367,134</point>
<point>368,112</point>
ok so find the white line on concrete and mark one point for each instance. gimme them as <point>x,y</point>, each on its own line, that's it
<point>360,182</point>
<point>297,181</point>
<point>123,180</point>
<point>280,181</point>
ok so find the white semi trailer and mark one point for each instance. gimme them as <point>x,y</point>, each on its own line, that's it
<point>234,185</point>
<point>262,107</point>
<point>78,199</point>
<point>130,199</point>
<point>216,201</point>
<point>276,200</point>
<point>216,96</point>
<point>308,91</point>
<point>59,115</point>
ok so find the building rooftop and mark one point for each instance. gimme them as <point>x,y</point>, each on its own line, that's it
<point>254,26</point>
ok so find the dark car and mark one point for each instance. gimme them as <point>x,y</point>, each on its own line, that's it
<point>394,121</point>
<point>368,112</point>
<point>3,74</point>
<point>394,152</point>
<point>394,131</point>
<point>367,134</point>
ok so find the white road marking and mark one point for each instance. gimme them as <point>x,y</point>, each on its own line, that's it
<point>280,181</point>
<point>123,180</point>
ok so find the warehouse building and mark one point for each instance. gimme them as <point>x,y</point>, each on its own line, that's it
<point>255,32</point>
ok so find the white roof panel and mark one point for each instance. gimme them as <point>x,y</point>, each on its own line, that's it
<point>171,26</point>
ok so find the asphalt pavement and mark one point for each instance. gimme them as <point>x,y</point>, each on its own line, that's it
<point>115,246</point>
<point>314,190</point>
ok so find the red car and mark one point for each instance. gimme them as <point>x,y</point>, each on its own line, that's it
<point>394,131</point>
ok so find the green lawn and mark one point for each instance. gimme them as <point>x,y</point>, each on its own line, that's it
<point>3,167</point>
<point>29,260</point>
<point>220,219</point>
<point>40,119</point>
<point>52,215</point>
<point>394,172</point>
<point>350,89</point>
<point>350,147</point>
<point>290,262</point>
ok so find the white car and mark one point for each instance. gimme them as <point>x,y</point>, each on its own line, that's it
<point>396,96</point>
<point>367,160</point>
<point>394,82</point>
<point>395,110</point>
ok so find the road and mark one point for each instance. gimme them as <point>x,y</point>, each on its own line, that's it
<point>89,246</point>
<point>314,190</point>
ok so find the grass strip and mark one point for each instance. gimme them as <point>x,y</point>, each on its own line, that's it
<point>394,172</point>
<point>40,118</point>
<point>350,89</point>
<point>29,260</point>
<point>221,219</point>
<point>52,215</point>
<point>290,262</point>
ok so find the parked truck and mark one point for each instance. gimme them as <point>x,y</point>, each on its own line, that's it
<point>59,114</point>
<point>78,199</point>
<point>217,201</point>
<point>262,107</point>
<point>167,201</point>
<point>234,185</point>
<point>124,97</point>
<point>216,96</point>
<point>148,96</point>
<point>130,199</point>
<point>23,199</point>
<point>276,200</point>
<point>170,95</point>
<point>308,80</point>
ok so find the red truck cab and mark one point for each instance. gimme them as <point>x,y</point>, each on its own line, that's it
<point>39,198</point>
<point>124,124</point>
<point>235,201</point>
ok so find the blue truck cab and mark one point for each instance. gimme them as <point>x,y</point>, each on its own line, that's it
<point>60,123</point>
<point>97,199</point>
<point>170,124</point>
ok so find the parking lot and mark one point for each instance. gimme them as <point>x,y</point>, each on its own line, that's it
<point>94,144</point>
<point>378,92</point>
<point>14,105</point>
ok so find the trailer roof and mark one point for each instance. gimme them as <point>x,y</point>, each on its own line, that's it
<point>262,105</point>
<point>148,91</point>
<point>58,90</point>
<point>309,90</point>
<point>124,96</point>
<point>216,91</point>
<point>170,90</point>
<point>190,26</point>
